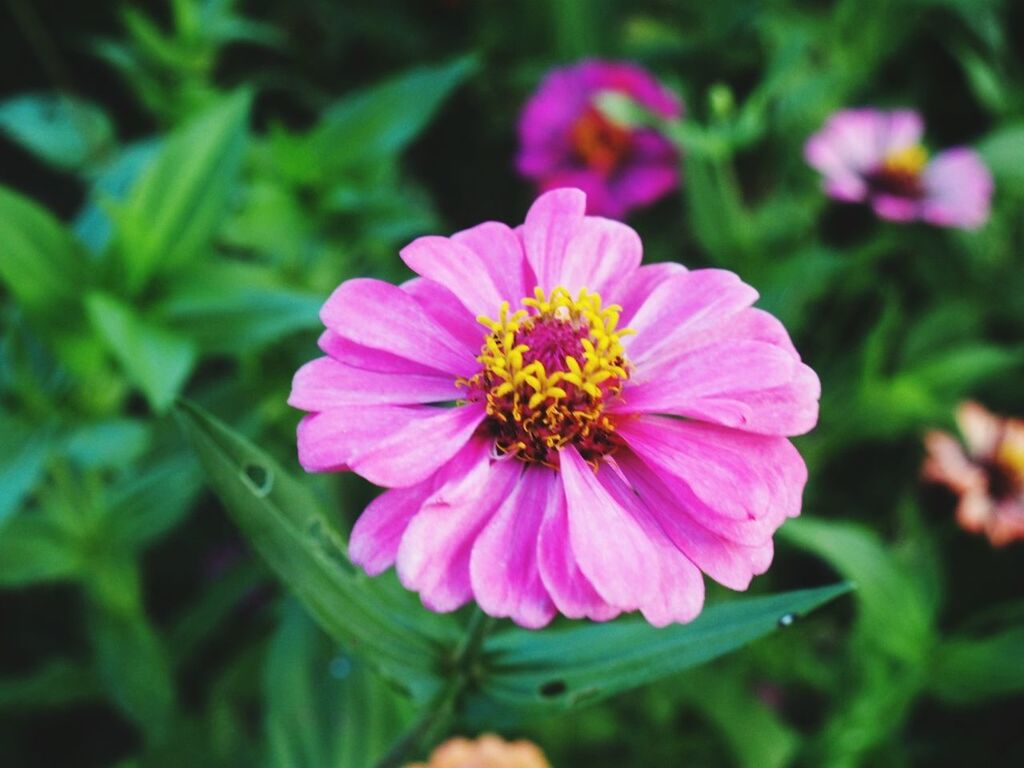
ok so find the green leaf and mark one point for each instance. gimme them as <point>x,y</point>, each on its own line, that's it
<point>148,502</point>
<point>175,209</point>
<point>35,549</point>
<point>1003,153</point>
<point>754,731</point>
<point>971,669</point>
<point>232,307</point>
<point>23,454</point>
<point>57,683</point>
<point>111,183</point>
<point>41,262</point>
<point>156,360</point>
<point>380,121</point>
<point>64,131</point>
<point>285,524</point>
<point>896,608</point>
<point>324,708</point>
<point>130,657</point>
<point>107,444</point>
<point>564,668</point>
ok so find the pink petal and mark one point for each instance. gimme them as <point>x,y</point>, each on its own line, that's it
<point>602,253</point>
<point>503,567</point>
<point>628,560</point>
<point>683,305</point>
<point>571,591</point>
<point>958,190</point>
<point>391,446</point>
<point>434,555</point>
<point>678,383</point>
<point>551,223</point>
<point>501,252</point>
<point>382,316</point>
<point>413,453</point>
<point>632,292</point>
<point>727,562</point>
<point>445,309</point>
<point>358,356</point>
<point>325,383</point>
<point>458,268</point>
<point>895,208</point>
<point>377,533</point>
<point>739,475</point>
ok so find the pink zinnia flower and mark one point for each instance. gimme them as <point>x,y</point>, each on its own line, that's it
<point>868,155</point>
<point>988,477</point>
<point>566,141</point>
<point>562,429</point>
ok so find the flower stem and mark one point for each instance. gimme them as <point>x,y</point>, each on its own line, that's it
<point>443,705</point>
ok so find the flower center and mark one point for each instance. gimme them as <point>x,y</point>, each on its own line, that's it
<point>598,142</point>
<point>548,372</point>
<point>900,173</point>
<point>1006,470</point>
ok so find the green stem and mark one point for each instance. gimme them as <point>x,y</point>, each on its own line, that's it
<point>442,706</point>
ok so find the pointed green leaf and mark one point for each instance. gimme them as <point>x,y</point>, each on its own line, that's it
<point>230,308</point>
<point>157,361</point>
<point>379,122</point>
<point>41,263</point>
<point>284,523</point>
<point>564,668</point>
<point>176,207</point>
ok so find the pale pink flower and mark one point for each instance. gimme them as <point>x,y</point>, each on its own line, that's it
<point>562,429</point>
<point>988,477</point>
<point>565,140</point>
<point>869,155</point>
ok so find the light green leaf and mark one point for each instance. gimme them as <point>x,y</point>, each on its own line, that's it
<point>41,262</point>
<point>1003,153</point>
<point>232,307</point>
<point>157,361</point>
<point>284,523</point>
<point>64,131</point>
<point>565,668</point>
<point>107,444</point>
<point>323,707</point>
<point>175,209</point>
<point>379,122</point>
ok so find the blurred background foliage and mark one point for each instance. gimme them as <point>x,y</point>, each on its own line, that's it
<point>184,183</point>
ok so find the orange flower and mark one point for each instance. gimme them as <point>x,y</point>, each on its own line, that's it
<point>488,751</point>
<point>988,476</point>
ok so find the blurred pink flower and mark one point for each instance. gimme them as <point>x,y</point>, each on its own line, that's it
<point>988,477</point>
<point>585,468</point>
<point>566,141</point>
<point>868,155</point>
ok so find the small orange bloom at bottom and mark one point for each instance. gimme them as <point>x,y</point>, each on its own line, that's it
<point>488,751</point>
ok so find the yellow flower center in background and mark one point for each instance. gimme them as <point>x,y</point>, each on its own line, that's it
<point>909,161</point>
<point>548,371</point>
